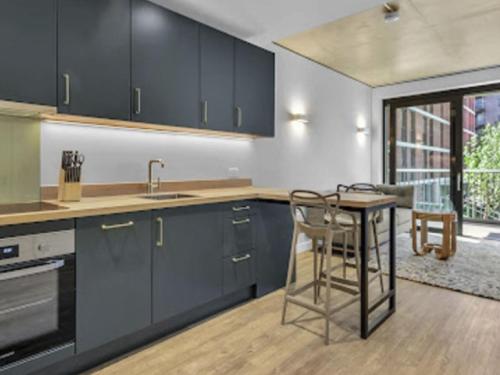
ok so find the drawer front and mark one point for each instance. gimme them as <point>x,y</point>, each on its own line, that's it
<point>239,271</point>
<point>240,209</point>
<point>238,235</point>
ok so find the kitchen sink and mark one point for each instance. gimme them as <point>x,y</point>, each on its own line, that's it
<point>166,197</point>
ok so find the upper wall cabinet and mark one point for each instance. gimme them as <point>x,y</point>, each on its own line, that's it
<point>254,89</point>
<point>94,58</point>
<point>165,66</point>
<point>217,79</point>
<point>28,45</point>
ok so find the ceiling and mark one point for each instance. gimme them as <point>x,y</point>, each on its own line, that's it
<point>432,38</point>
<point>264,21</point>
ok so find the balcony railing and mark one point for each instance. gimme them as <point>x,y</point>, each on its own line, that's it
<point>482,194</point>
<point>481,191</point>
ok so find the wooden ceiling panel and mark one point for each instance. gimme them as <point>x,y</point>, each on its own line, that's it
<point>431,38</point>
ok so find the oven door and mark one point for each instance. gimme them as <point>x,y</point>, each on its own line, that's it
<point>37,307</point>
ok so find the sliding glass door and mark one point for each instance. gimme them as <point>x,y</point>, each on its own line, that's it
<point>481,157</point>
<point>423,153</point>
<point>447,145</point>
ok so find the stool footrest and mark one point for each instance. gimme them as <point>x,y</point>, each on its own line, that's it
<point>340,287</point>
<point>301,289</point>
<point>340,280</point>
<point>306,303</point>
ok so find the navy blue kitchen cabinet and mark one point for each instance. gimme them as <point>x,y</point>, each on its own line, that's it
<point>134,60</point>
<point>240,252</point>
<point>94,58</point>
<point>165,66</point>
<point>254,90</point>
<point>187,259</point>
<point>275,229</point>
<point>113,282</point>
<point>28,45</point>
<point>217,79</point>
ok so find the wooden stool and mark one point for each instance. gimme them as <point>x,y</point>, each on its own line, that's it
<point>323,230</point>
<point>449,245</point>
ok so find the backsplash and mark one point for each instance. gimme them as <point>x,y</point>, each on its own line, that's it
<point>121,155</point>
<point>19,159</point>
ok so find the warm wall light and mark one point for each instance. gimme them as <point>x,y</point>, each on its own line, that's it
<point>361,126</point>
<point>299,118</point>
<point>363,130</point>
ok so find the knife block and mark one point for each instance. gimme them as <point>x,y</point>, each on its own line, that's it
<point>68,191</point>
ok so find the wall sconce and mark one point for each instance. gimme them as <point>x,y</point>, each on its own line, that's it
<point>361,126</point>
<point>363,130</point>
<point>299,118</point>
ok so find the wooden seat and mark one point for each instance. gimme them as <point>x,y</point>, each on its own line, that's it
<point>350,220</point>
<point>320,227</point>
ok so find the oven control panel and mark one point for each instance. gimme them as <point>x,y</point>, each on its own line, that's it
<point>9,252</point>
<point>36,246</point>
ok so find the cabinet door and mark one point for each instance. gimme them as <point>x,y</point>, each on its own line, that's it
<point>28,45</point>
<point>94,58</point>
<point>113,277</point>
<point>165,66</point>
<point>217,79</point>
<point>254,90</point>
<point>275,229</point>
<point>187,264</point>
<point>239,272</point>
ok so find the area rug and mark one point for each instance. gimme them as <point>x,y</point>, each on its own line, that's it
<point>475,268</point>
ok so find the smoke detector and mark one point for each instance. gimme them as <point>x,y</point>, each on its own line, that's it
<point>391,12</point>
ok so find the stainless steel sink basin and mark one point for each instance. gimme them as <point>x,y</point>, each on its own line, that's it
<point>166,197</point>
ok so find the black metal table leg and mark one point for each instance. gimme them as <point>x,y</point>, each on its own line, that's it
<point>392,259</point>
<point>364,253</point>
<point>366,328</point>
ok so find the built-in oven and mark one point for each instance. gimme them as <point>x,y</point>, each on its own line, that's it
<point>37,290</point>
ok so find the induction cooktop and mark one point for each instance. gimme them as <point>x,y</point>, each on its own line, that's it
<point>19,208</point>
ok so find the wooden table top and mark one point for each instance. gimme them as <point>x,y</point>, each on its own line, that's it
<point>133,203</point>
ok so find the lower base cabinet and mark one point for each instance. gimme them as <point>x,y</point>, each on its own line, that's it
<point>113,278</point>
<point>140,271</point>
<point>275,230</point>
<point>239,272</point>
<point>187,259</point>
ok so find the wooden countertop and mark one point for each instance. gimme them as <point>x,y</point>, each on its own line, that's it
<point>130,203</point>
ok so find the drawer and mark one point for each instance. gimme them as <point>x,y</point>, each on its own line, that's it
<point>239,235</point>
<point>239,209</point>
<point>239,271</point>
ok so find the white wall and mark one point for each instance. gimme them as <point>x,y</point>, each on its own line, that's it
<point>475,78</point>
<point>328,150</point>
<point>318,156</point>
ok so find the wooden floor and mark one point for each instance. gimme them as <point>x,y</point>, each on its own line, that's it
<point>434,331</point>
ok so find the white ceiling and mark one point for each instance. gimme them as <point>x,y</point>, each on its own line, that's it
<point>265,21</point>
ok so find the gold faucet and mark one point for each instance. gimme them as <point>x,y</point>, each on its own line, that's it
<point>152,185</point>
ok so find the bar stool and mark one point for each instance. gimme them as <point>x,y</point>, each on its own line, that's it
<point>374,219</point>
<point>351,220</point>
<point>322,227</point>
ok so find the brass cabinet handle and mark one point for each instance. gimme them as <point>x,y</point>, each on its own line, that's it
<point>117,226</point>
<point>67,87</point>
<point>159,242</point>
<point>242,208</point>
<point>138,101</point>
<point>239,117</point>
<point>205,113</point>
<point>240,222</point>
<point>241,259</point>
